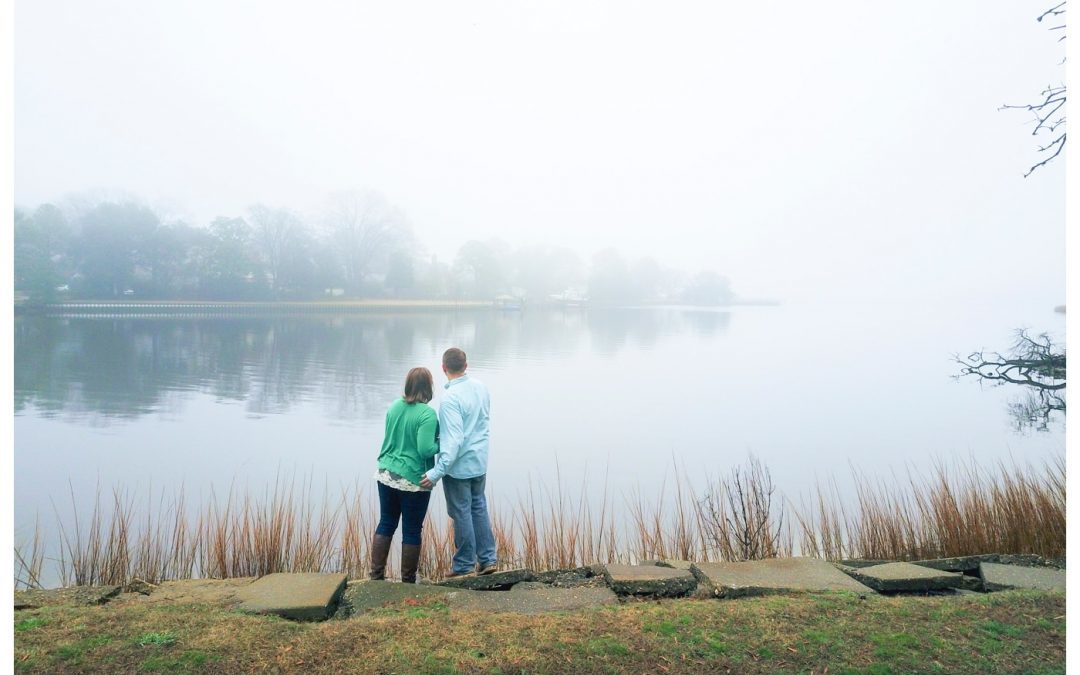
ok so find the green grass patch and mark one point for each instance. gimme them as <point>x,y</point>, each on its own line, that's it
<point>891,645</point>
<point>76,652</point>
<point>30,624</point>
<point>717,647</point>
<point>425,612</point>
<point>998,629</point>
<point>155,639</point>
<point>1045,624</point>
<point>665,628</point>
<point>818,637</point>
<point>606,646</point>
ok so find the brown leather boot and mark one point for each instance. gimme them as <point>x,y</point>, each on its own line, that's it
<point>410,562</point>
<point>380,549</point>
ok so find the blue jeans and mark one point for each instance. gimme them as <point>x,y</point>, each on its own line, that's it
<point>473,538</point>
<point>410,507</point>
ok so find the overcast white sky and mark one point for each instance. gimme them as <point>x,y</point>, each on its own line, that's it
<point>846,150</point>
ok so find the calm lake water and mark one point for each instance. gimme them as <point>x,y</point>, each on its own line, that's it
<point>811,390</point>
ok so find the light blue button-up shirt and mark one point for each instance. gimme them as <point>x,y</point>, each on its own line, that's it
<point>463,430</point>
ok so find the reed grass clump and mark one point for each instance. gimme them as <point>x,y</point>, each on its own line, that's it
<point>291,527</point>
<point>953,511</point>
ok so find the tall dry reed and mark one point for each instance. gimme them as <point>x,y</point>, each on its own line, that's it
<point>291,527</point>
<point>29,563</point>
<point>955,511</point>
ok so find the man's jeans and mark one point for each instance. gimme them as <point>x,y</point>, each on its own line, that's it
<point>473,538</point>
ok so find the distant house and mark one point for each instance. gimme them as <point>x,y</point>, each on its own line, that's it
<point>506,301</point>
<point>571,297</point>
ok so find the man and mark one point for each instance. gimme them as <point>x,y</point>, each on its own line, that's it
<point>462,465</point>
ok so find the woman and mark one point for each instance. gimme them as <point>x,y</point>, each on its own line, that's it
<point>408,451</point>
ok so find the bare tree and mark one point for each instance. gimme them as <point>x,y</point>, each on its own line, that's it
<point>739,517</point>
<point>1034,363</point>
<point>275,230</point>
<point>365,228</point>
<point>1050,111</point>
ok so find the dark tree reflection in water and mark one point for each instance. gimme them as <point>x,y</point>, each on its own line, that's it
<point>122,368</point>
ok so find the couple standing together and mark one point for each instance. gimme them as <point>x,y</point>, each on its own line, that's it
<point>421,448</point>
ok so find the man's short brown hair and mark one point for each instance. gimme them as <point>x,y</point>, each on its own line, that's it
<point>453,360</point>
<point>418,385</point>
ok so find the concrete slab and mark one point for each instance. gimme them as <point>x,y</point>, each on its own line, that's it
<point>569,577</point>
<point>969,564</point>
<point>1028,560</point>
<point>648,580</point>
<point>780,575</point>
<point>489,582</point>
<point>140,586</point>
<point>365,596</point>
<point>862,562</point>
<point>70,595</point>
<point>526,598</point>
<point>964,563</point>
<point>217,592</point>
<point>997,577</point>
<point>676,564</point>
<point>899,577</point>
<point>303,597</point>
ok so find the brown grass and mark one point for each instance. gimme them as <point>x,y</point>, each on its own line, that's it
<point>1007,632</point>
<point>292,527</point>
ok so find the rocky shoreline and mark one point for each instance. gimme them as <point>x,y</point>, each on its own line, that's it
<point>319,596</point>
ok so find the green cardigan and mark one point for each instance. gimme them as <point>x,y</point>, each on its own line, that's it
<point>409,445</point>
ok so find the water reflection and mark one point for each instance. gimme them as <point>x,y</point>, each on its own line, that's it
<point>123,368</point>
<point>617,328</point>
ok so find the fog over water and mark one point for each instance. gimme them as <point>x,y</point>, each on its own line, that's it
<point>847,160</point>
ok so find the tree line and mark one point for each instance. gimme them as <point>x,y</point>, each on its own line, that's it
<point>359,246</point>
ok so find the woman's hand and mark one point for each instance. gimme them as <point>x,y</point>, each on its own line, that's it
<point>425,483</point>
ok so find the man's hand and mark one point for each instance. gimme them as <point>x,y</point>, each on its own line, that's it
<point>425,483</point>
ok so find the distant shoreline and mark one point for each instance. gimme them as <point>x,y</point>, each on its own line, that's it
<point>172,307</point>
<point>225,307</point>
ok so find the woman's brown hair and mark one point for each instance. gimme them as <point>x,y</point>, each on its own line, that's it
<point>418,385</point>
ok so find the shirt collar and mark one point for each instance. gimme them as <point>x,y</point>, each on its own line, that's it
<point>454,381</point>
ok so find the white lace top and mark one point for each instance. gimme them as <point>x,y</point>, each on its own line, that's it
<point>392,480</point>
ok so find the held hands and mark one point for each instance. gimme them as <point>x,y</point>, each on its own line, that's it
<point>425,483</point>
